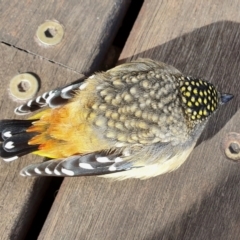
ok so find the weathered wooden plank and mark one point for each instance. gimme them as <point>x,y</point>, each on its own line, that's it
<point>19,197</point>
<point>201,199</point>
<point>82,20</point>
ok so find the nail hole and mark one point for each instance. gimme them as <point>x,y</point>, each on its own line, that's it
<point>23,86</point>
<point>50,33</point>
<point>234,148</point>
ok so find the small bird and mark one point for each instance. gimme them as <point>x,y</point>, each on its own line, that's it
<point>136,120</point>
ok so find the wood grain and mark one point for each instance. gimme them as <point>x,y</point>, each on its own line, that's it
<point>82,21</point>
<point>19,197</point>
<point>201,199</point>
<point>89,29</point>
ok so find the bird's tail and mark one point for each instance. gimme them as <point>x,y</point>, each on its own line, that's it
<point>15,139</point>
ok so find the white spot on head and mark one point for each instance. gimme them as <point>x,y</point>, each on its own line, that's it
<point>36,170</point>
<point>82,86</point>
<point>85,166</point>
<point>112,168</point>
<point>118,159</point>
<point>7,134</point>
<point>9,145</point>
<point>10,159</point>
<point>57,172</point>
<point>103,159</point>
<point>67,172</point>
<point>48,171</point>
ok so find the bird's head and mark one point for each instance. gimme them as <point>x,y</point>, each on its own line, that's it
<point>201,99</point>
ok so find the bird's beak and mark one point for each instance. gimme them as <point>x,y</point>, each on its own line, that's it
<point>225,97</point>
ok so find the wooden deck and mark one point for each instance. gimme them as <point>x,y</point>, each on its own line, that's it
<point>198,201</point>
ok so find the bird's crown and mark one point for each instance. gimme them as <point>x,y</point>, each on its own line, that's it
<point>200,98</point>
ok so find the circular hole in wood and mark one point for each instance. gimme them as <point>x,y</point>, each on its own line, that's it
<point>231,146</point>
<point>49,33</point>
<point>234,148</point>
<point>24,86</point>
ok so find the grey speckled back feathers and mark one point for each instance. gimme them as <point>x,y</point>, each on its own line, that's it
<point>137,120</point>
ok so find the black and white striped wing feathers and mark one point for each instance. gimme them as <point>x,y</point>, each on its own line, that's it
<point>52,99</point>
<point>78,165</point>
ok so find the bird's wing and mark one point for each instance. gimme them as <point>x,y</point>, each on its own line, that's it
<point>60,96</point>
<point>112,165</point>
<point>52,99</point>
<point>79,165</point>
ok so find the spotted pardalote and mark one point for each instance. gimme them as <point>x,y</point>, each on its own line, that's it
<point>137,120</point>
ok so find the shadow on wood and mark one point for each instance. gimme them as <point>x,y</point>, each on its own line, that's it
<point>217,216</point>
<point>210,52</point>
<point>93,208</point>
